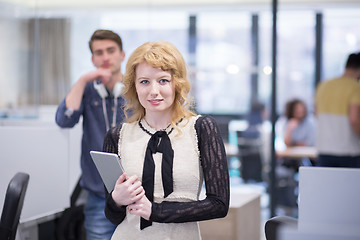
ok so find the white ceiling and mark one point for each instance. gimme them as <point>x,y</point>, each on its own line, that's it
<point>71,4</point>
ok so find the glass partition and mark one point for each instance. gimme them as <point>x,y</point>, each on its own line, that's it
<point>223,62</point>
<point>296,57</point>
<point>18,94</point>
<point>44,51</point>
<point>341,37</point>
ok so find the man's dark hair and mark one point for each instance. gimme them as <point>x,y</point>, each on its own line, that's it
<point>353,61</point>
<point>103,34</point>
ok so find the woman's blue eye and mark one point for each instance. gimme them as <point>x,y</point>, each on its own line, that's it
<point>164,81</point>
<point>144,81</point>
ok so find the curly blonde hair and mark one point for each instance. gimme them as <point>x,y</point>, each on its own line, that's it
<point>162,55</point>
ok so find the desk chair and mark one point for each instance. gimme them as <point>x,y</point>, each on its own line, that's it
<point>250,147</point>
<point>70,226</point>
<point>273,225</point>
<point>13,205</point>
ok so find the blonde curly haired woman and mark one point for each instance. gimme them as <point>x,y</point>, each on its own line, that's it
<point>167,152</point>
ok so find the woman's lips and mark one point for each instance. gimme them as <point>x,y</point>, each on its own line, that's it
<point>155,101</point>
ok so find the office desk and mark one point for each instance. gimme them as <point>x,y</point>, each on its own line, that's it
<point>241,223</point>
<point>298,152</point>
<point>288,162</point>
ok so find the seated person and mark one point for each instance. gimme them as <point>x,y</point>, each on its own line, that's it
<point>296,128</point>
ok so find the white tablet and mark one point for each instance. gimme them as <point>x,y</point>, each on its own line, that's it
<point>109,167</point>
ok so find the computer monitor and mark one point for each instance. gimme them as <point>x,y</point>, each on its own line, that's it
<point>329,200</point>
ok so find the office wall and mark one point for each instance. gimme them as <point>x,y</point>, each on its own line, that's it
<point>49,154</point>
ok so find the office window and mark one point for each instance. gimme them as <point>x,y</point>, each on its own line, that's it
<point>15,62</point>
<point>265,58</point>
<point>295,57</point>
<point>340,38</point>
<point>223,62</point>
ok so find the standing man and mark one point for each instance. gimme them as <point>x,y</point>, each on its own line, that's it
<point>337,104</point>
<point>96,97</point>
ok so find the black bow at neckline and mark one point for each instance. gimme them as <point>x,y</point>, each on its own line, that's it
<point>159,142</point>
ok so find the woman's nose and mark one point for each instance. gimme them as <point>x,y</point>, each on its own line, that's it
<point>154,89</point>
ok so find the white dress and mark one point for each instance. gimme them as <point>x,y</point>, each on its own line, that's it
<point>187,179</point>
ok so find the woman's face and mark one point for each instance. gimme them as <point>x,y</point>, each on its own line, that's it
<point>155,88</point>
<point>299,111</point>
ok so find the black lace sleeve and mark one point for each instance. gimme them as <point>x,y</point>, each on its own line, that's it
<point>114,213</point>
<point>111,140</point>
<point>216,176</point>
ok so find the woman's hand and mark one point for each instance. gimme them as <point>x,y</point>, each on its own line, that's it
<point>127,190</point>
<point>293,123</point>
<point>141,208</point>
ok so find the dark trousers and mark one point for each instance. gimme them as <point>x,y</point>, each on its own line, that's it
<point>338,161</point>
